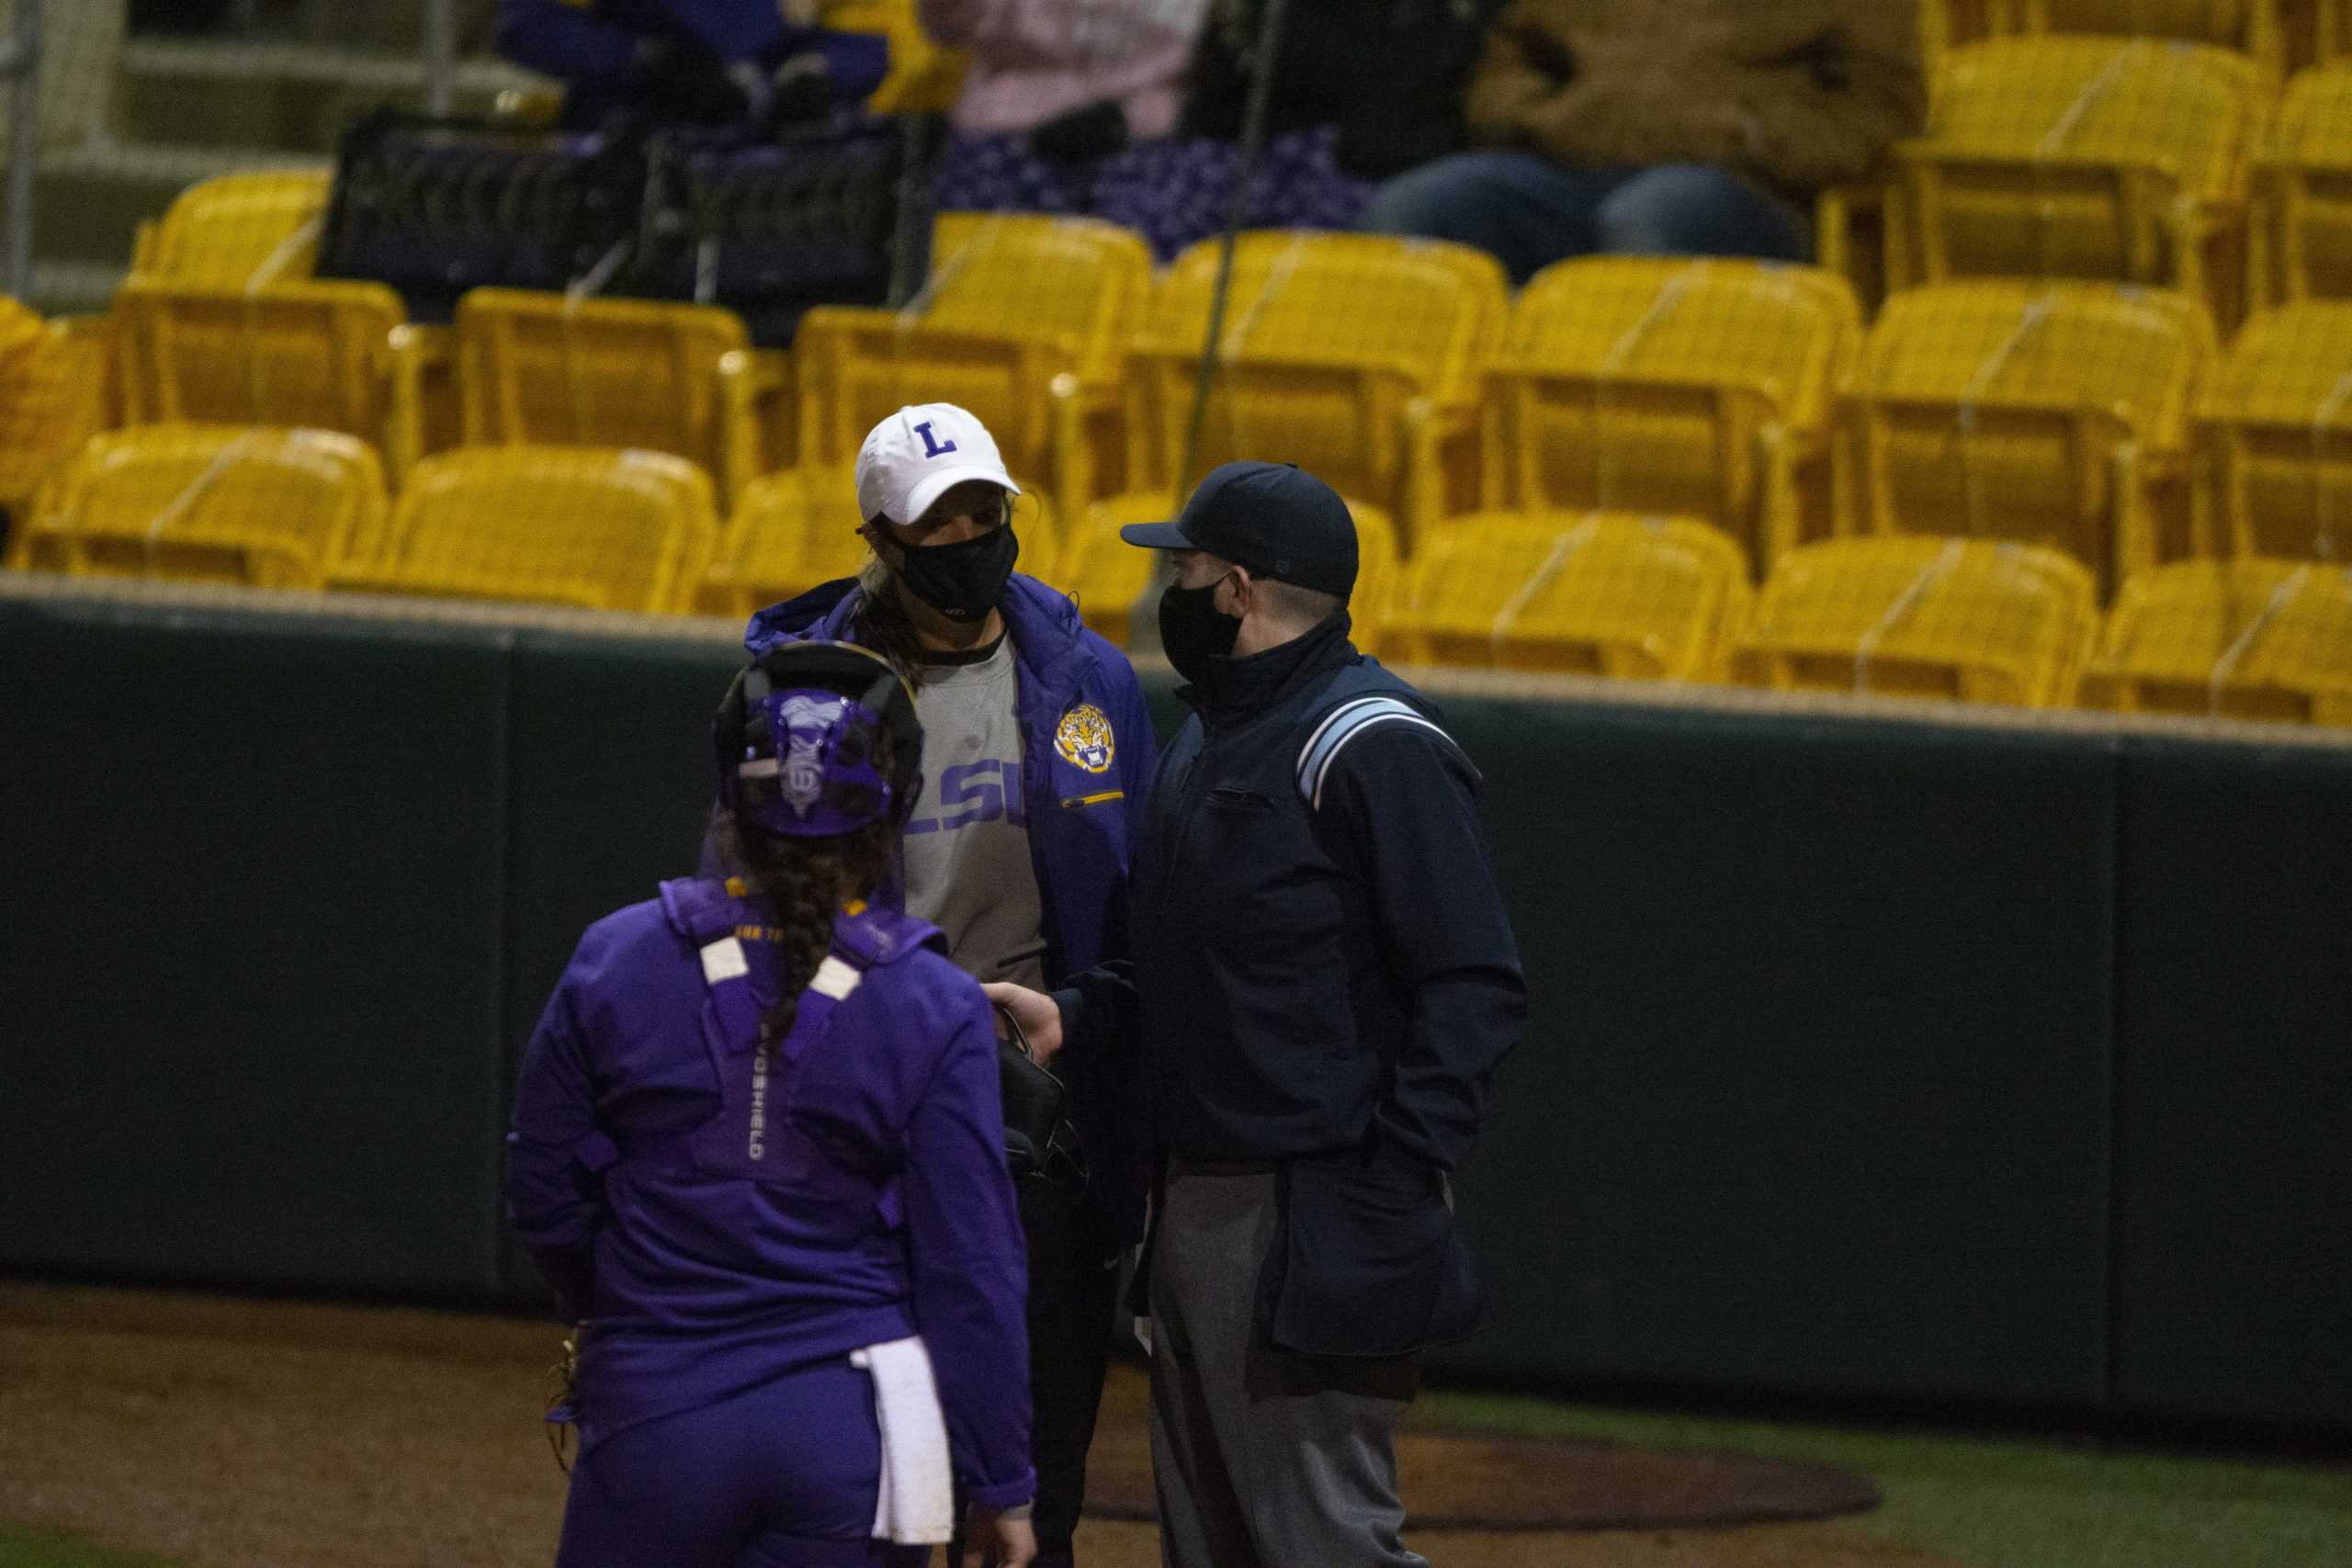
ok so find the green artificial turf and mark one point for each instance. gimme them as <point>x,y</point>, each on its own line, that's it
<point>2009,1501</point>
<point>24,1548</point>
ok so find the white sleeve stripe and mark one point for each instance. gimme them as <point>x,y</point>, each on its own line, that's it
<point>1332,733</point>
<point>1370,721</point>
<point>1330,719</point>
<point>1334,729</point>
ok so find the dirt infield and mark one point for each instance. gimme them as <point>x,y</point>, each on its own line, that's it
<point>240,1435</point>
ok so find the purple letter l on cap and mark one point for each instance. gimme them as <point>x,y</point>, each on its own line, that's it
<point>932,448</point>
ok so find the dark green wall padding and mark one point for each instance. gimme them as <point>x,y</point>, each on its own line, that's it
<point>1869,1058</point>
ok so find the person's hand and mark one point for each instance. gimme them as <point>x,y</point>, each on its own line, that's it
<point>1034,1012</point>
<point>992,1541</point>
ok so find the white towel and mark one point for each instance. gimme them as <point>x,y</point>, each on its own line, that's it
<point>916,1506</point>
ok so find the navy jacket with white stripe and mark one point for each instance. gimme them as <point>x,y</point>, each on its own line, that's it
<point>1322,962</point>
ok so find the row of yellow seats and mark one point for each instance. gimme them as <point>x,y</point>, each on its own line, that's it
<point>1597,592</point>
<point>1738,393</point>
<point>2277,34</point>
<point>2130,159</point>
<point>1610,593</point>
<point>593,529</point>
<point>1392,367</point>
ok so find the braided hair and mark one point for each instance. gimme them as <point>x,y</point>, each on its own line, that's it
<point>805,882</point>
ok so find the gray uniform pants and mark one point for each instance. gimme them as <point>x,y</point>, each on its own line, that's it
<point>1261,1459</point>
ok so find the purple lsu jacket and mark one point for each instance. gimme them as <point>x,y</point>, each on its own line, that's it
<point>715,1212</point>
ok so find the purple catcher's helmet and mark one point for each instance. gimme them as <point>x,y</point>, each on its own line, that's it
<point>796,735</point>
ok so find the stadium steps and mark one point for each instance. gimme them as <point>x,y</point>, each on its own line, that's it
<point>186,109</point>
<point>92,198</point>
<point>279,94</point>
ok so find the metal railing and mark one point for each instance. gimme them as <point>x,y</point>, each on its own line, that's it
<point>20,68</point>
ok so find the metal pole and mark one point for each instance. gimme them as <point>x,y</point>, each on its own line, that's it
<point>24,141</point>
<point>1253,145</point>
<point>440,55</point>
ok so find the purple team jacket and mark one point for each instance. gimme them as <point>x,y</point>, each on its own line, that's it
<point>717,1213</point>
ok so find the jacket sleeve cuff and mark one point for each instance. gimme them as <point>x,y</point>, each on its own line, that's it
<point>1005,1495</point>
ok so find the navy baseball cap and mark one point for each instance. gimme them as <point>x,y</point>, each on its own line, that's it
<point>1275,519</point>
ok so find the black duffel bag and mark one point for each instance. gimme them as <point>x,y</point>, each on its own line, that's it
<point>434,208</point>
<point>836,213</point>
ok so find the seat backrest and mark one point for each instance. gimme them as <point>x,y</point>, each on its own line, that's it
<point>2303,190</point>
<point>798,528</point>
<point>1961,618</point>
<point>2275,432</point>
<point>242,231</point>
<point>1594,593</point>
<point>266,507</point>
<point>51,397</point>
<point>314,354</point>
<point>610,530</point>
<point>2250,27</point>
<point>1012,302</point>
<point>2249,639</point>
<point>1103,573</point>
<point>2128,102</point>
<point>548,369</point>
<point>1993,408</point>
<point>1643,382</point>
<point>1326,339</point>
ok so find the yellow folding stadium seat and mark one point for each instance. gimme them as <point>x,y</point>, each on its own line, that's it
<point>272,508</point>
<point>1356,356</point>
<point>2247,638</point>
<point>1964,618</point>
<point>1023,322</point>
<point>2119,159</point>
<point>2044,413</point>
<point>1594,593</point>
<point>1107,575</point>
<point>2249,27</point>
<point>1653,383</point>
<point>545,369</point>
<point>799,528</point>
<point>2300,238</point>
<point>596,530</point>
<point>321,355</point>
<point>242,231</point>
<point>52,382</point>
<point>2274,436</point>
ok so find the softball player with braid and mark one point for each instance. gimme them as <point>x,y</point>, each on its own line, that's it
<point>758,1150</point>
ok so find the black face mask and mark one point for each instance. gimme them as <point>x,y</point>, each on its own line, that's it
<point>1192,630</point>
<point>963,580</point>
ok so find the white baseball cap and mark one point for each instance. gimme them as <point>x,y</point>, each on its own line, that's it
<point>913,458</point>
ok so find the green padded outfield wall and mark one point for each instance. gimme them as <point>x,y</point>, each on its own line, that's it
<point>1871,1058</point>
<point>2234,1154</point>
<point>251,975</point>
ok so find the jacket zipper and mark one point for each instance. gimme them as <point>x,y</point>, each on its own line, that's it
<point>1071,802</point>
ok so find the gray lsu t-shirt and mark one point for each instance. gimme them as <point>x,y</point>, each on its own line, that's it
<point>968,870</point>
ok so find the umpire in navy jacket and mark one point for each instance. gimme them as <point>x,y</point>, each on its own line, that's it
<point>1323,984</point>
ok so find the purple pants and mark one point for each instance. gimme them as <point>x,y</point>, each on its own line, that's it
<point>781,1476</point>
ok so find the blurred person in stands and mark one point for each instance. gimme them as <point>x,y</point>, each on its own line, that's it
<point>1362,89</point>
<point>758,1151</point>
<point>1054,87</point>
<point>1675,126</point>
<point>1021,854</point>
<point>691,62</point>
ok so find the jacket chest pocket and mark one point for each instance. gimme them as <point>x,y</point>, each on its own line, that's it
<point>1251,853</point>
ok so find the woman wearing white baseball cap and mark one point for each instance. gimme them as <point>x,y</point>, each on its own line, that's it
<point>1038,750</point>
